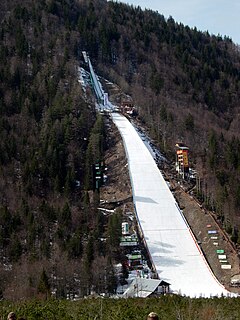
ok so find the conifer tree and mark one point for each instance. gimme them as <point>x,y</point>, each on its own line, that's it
<point>43,285</point>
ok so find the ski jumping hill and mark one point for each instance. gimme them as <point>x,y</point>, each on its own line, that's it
<point>170,242</point>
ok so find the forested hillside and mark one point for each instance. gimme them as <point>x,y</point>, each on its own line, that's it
<point>50,137</point>
<point>186,86</point>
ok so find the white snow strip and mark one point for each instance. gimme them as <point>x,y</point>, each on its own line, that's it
<point>171,244</point>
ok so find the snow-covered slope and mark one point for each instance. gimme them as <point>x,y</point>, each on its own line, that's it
<point>174,251</point>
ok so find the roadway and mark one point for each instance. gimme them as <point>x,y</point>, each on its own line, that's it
<point>172,247</point>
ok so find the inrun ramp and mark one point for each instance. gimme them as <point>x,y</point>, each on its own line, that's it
<point>170,242</point>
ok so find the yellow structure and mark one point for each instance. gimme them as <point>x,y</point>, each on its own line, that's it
<point>182,162</point>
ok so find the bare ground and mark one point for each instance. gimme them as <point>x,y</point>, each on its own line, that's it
<point>201,221</point>
<point>117,191</point>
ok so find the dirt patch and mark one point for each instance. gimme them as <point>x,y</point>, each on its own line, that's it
<point>210,237</point>
<point>117,191</point>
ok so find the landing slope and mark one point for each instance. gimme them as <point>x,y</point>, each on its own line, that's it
<point>173,249</point>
